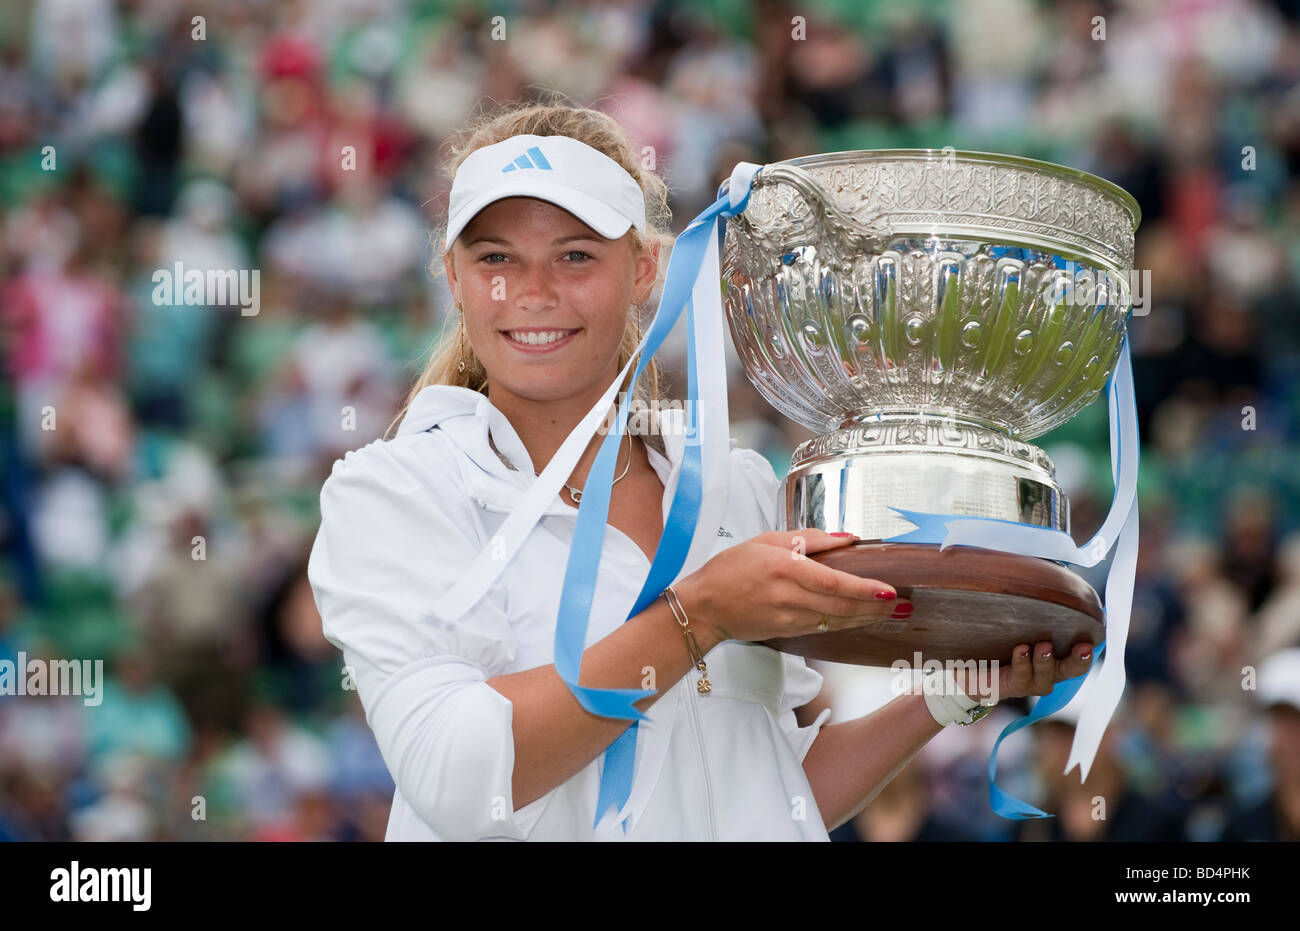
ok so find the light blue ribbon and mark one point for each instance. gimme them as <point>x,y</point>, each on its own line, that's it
<point>684,269</point>
<point>1118,529</point>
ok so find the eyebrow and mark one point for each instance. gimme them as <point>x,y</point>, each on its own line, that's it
<point>592,237</point>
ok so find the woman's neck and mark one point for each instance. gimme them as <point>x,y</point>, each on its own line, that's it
<point>544,426</point>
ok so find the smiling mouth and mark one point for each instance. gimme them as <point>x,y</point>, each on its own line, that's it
<point>537,337</point>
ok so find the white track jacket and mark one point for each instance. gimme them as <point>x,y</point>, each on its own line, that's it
<point>402,518</point>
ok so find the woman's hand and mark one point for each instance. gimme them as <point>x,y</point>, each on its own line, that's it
<point>1034,670</point>
<point>767,587</point>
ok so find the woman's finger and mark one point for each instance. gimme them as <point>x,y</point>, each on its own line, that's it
<point>809,541</point>
<point>823,580</point>
<point>1044,667</point>
<point>842,610</point>
<point>847,621</point>
<point>1076,662</point>
<point>849,608</point>
<point>802,542</point>
<point>1016,680</point>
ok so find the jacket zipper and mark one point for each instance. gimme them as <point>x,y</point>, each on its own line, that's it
<point>691,689</point>
<point>692,680</point>
<point>693,676</point>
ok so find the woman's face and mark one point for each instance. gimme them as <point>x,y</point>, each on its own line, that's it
<point>525,266</point>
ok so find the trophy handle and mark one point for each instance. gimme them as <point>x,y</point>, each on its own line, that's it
<point>851,235</point>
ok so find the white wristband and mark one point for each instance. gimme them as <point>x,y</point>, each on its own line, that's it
<point>948,704</point>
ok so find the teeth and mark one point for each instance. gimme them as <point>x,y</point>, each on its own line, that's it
<point>535,338</point>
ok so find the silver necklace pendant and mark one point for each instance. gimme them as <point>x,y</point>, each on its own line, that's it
<point>575,493</point>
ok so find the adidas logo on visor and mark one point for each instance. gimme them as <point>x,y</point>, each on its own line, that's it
<point>533,158</point>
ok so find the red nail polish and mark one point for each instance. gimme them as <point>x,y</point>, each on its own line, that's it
<point>886,596</point>
<point>1024,654</point>
<point>842,534</point>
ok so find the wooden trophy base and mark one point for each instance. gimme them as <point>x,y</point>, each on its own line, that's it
<point>970,604</point>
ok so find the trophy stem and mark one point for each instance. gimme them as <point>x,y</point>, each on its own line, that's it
<point>851,478</point>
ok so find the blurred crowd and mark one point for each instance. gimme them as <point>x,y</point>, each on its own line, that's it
<point>160,463</point>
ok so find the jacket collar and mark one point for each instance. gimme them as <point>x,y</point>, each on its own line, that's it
<point>475,426</point>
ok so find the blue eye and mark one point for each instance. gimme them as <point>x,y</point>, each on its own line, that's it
<point>579,252</point>
<point>491,255</point>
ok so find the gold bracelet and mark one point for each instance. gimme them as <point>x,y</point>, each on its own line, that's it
<point>675,605</point>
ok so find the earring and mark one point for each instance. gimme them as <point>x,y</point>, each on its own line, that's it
<point>460,337</point>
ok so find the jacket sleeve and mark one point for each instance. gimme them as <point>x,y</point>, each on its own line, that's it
<point>802,683</point>
<point>393,538</point>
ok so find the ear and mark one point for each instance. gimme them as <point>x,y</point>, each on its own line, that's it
<point>449,266</point>
<point>647,270</point>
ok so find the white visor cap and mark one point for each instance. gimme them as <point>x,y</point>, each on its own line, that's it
<point>559,169</point>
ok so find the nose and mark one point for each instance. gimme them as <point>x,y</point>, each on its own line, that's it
<point>534,288</point>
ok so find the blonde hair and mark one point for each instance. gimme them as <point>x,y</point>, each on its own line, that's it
<point>603,133</point>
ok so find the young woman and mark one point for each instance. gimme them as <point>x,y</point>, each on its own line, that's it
<point>553,242</point>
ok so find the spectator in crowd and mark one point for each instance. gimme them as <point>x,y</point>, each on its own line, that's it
<point>1103,807</point>
<point>1277,816</point>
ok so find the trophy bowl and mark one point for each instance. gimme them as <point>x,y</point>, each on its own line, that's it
<point>927,313</point>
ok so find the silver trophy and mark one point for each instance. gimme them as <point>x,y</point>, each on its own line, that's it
<point>928,313</point>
